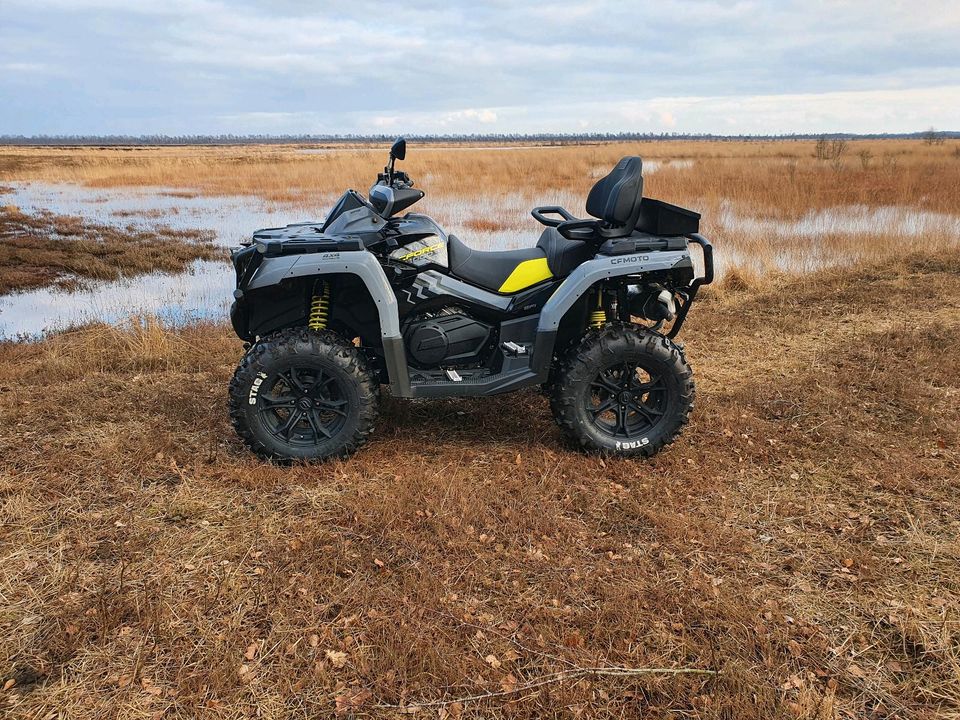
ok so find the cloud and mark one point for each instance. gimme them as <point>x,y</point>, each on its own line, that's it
<point>23,67</point>
<point>484,117</point>
<point>182,66</point>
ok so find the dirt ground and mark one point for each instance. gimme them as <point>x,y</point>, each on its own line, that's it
<point>799,540</point>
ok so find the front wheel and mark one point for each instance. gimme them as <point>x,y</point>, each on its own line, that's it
<point>303,395</point>
<point>623,390</point>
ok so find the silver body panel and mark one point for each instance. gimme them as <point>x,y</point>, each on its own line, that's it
<point>365,265</point>
<point>600,268</point>
<point>361,263</point>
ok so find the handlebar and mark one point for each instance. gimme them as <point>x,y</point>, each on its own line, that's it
<point>395,179</point>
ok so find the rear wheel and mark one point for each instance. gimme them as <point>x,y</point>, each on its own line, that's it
<point>623,390</point>
<point>301,394</point>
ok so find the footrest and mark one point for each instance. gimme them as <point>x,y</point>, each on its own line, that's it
<point>514,349</point>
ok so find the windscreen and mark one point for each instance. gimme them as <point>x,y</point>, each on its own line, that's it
<point>350,200</point>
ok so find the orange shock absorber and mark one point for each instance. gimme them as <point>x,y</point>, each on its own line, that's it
<point>319,308</point>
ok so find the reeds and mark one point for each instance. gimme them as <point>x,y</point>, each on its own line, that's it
<point>777,182</point>
<point>46,249</point>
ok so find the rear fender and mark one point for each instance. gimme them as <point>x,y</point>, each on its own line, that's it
<point>599,269</point>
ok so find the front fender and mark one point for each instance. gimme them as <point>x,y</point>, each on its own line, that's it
<point>364,265</point>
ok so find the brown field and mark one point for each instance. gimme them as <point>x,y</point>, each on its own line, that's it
<point>46,249</point>
<point>750,193</point>
<point>800,539</point>
<point>794,554</point>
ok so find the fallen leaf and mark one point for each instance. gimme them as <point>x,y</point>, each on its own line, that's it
<point>251,652</point>
<point>508,683</point>
<point>314,640</point>
<point>9,683</point>
<point>149,687</point>
<point>493,662</point>
<point>337,659</point>
<point>509,655</point>
<point>351,700</point>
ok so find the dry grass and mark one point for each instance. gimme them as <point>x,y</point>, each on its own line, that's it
<point>46,249</point>
<point>801,537</point>
<point>782,177</point>
<point>733,184</point>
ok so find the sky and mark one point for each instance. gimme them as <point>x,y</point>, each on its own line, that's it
<point>250,67</point>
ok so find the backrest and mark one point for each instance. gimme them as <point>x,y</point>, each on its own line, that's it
<point>615,199</point>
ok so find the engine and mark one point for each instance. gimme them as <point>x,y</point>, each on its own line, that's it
<point>447,338</point>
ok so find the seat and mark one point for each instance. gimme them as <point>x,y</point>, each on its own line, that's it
<point>615,203</point>
<point>510,271</point>
<point>563,255</point>
<point>615,199</point>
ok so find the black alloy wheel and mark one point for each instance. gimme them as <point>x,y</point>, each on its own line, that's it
<point>623,390</point>
<point>300,394</point>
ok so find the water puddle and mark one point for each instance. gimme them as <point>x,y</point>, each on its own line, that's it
<point>231,218</point>
<point>816,240</point>
<point>649,167</point>
<point>826,238</point>
<point>205,289</point>
<point>849,220</point>
<point>202,292</point>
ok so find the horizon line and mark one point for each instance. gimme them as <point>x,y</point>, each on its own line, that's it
<point>561,138</point>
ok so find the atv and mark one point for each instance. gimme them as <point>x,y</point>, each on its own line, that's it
<point>332,310</point>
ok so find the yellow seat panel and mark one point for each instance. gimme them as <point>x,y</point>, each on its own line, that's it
<point>527,273</point>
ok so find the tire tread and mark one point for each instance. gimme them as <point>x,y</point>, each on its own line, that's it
<point>290,341</point>
<point>578,364</point>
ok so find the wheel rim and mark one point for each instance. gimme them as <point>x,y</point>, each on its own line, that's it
<point>303,406</point>
<point>626,400</point>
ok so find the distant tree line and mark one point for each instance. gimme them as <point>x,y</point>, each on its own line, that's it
<point>829,141</point>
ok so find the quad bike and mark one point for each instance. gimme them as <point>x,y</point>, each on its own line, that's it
<point>332,310</point>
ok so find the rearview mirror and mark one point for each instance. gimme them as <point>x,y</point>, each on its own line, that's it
<point>398,150</point>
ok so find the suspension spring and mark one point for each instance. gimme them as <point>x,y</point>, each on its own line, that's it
<point>319,307</point>
<point>599,316</point>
